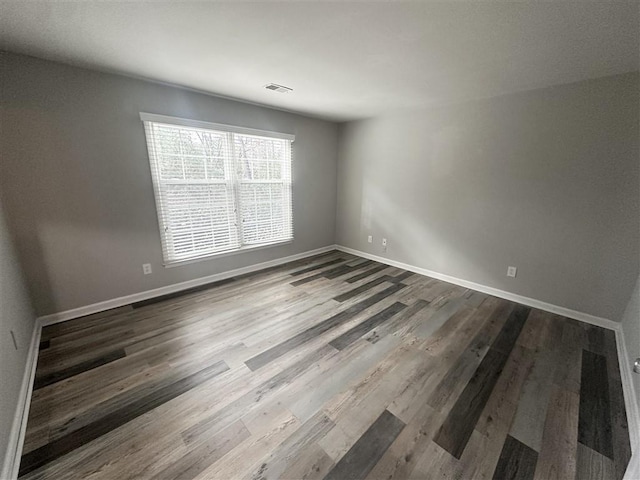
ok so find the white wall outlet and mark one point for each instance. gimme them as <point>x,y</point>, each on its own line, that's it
<point>384,244</point>
<point>370,239</point>
<point>146,268</point>
<point>511,271</point>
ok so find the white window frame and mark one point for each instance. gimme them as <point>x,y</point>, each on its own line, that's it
<point>185,122</point>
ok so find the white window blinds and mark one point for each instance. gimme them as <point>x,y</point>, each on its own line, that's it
<point>218,188</point>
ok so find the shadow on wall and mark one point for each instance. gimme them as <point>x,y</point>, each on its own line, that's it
<point>29,253</point>
<point>78,188</point>
<point>522,180</point>
<point>412,238</point>
<point>74,216</point>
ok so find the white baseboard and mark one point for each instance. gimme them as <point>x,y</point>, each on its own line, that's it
<point>16,440</point>
<point>11,463</point>
<point>632,407</point>
<point>19,427</point>
<point>630,400</point>
<point>631,404</point>
<point>633,470</point>
<point>176,287</point>
<point>531,302</point>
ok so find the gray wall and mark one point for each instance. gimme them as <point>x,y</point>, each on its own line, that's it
<point>546,180</point>
<point>631,329</point>
<point>77,184</point>
<point>15,315</point>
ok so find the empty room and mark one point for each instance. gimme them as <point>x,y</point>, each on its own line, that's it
<point>319,240</point>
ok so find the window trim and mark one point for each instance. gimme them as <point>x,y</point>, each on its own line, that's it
<point>185,122</point>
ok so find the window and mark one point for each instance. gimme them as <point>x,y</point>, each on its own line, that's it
<point>218,188</point>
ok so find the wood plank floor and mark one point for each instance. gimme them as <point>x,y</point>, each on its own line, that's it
<point>329,367</point>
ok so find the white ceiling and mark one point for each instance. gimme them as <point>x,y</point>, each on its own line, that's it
<point>344,60</point>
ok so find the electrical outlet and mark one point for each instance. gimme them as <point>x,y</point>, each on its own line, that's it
<point>384,244</point>
<point>146,268</point>
<point>370,239</point>
<point>511,271</point>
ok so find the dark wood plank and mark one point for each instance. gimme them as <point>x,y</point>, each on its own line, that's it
<point>517,461</point>
<point>619,421</point>
<point>86,323</point>
<point>336,272</point>
<point>596,336</point>
<point>339,271</point>
<point>258,424</point>
<point>594,419</point>
<point>512,328</point>
<point>287,266</point>
<point>573,340</point>
<point>456,430</point>
<point>57,448</point>
<point>369,448</point>
<point>368,273</point>
<point>401,277</point>
<point>119,399</point>
<point>58,355</point>
<point>187,291</point>
<point>309,279</point>
<point>278,350</point>
<point>44,344</point>
<point>51,378</point>
<point>331,273</point>
<point>316,267</point>
<point>353,334</point>
<point>362,288</point>
<point>398,321</point>
<point>469,360</point>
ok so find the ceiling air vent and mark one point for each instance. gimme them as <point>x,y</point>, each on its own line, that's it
<point>278,88</point>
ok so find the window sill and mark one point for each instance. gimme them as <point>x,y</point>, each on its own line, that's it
<point>226,253</point>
